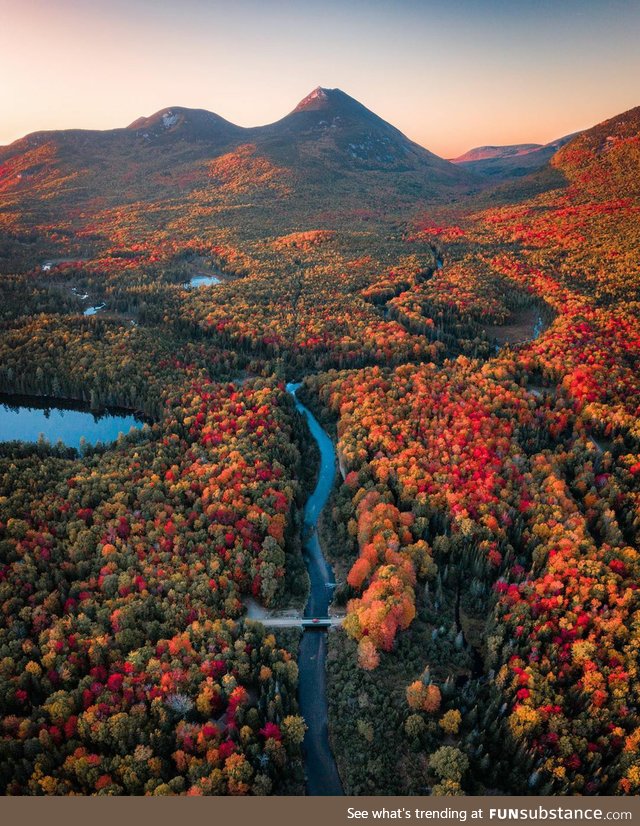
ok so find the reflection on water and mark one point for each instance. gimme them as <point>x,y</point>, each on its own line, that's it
<point>27,420</point>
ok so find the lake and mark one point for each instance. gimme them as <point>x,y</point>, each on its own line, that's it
<point>25,420</point>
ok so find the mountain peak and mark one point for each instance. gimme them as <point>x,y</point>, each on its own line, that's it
<point>317,99</point>
<point>181,123</point>
<point>175,116</point>
<point>333,106</point>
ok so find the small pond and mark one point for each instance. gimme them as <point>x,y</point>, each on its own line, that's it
<point>94,310</point>
<point>201,281</point>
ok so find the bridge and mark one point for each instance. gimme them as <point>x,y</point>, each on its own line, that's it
<point>299,622</point>
<point>288,618</point>
<point>320,622</point>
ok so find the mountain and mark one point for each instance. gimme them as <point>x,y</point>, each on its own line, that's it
<point>331,124</point>
<point>502,162</point>
<point>332,140</point>
<point>329,158</point>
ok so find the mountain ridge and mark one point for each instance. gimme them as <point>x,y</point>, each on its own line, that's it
<point>329,155</point>
<point>195,122</point>
<point>510,160</point>
<point>483,153</point>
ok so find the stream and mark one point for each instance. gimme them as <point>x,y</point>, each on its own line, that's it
<point>320,766</point>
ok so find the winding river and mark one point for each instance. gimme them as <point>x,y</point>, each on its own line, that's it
<point>320,766</point>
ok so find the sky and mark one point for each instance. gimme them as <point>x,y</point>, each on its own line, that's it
<point>451,74</point>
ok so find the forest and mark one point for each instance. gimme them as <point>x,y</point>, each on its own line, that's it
<point>476,362</point>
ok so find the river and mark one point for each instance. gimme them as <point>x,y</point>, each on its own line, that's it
<point>320,766</point>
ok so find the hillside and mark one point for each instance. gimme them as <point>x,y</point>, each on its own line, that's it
<point>604,160</point>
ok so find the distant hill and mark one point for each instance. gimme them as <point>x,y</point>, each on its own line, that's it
<point>486,153</point>
<point>502,162</point>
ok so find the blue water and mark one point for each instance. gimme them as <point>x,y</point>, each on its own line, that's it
<point>320,766</point>
<point>538,328</point>
<point>320,573</point>
<point>94,310</point>
<point>26,423</point>
<point>202,281</point>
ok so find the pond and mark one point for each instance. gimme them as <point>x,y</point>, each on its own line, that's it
<point>26,418</point>
<point>201,281</point>
<point>94,310</point>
